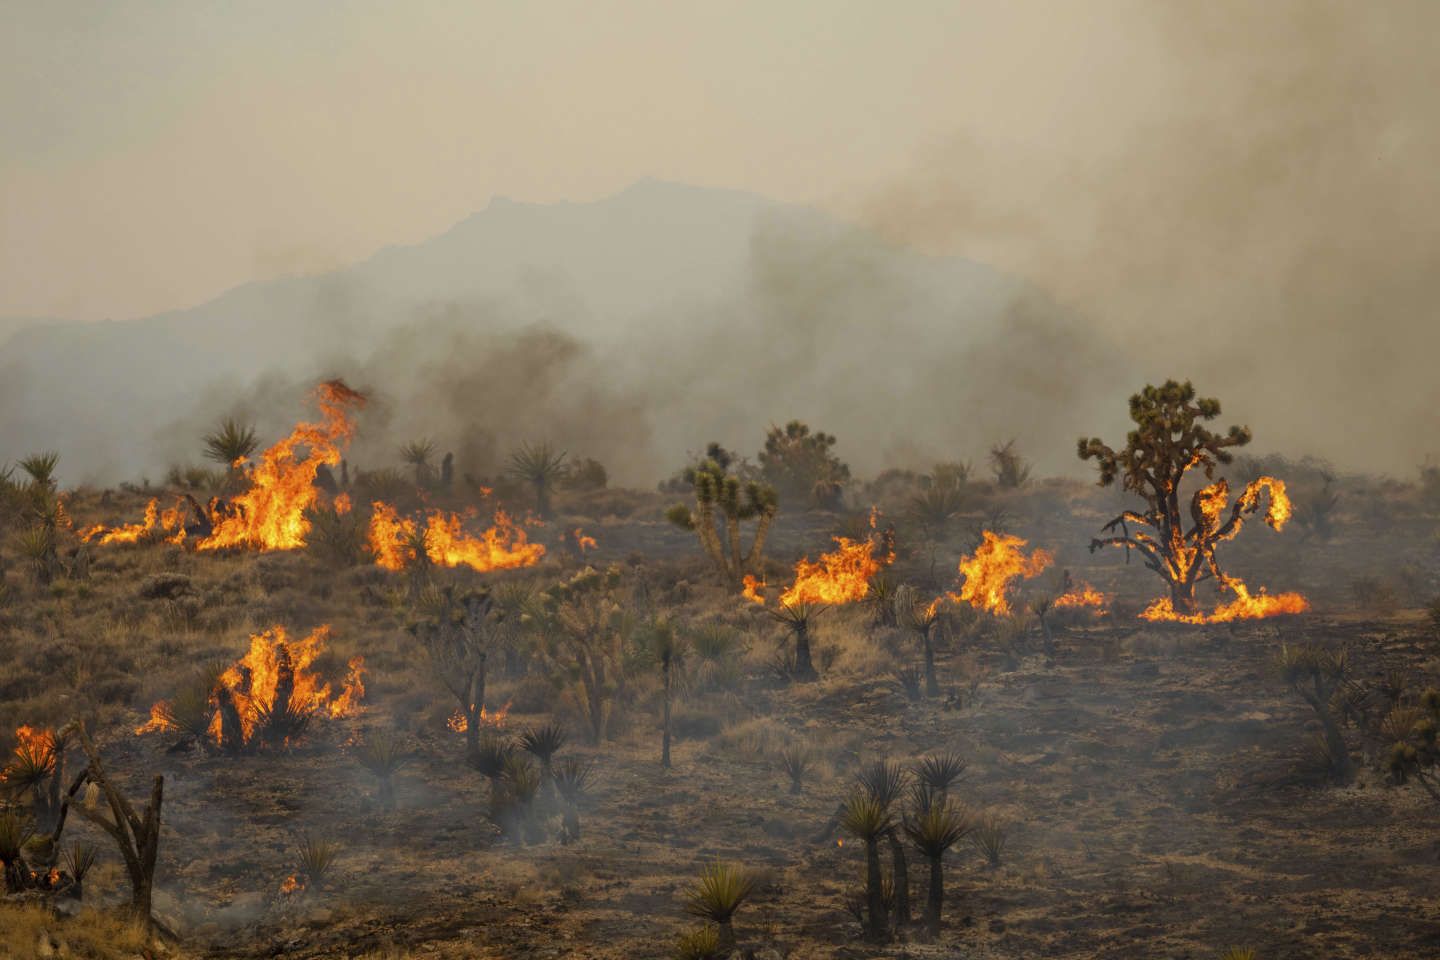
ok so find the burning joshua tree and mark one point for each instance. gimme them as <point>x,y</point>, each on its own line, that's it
<point>1169,440</point>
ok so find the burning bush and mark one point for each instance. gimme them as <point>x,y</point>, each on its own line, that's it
<point>400,542</point>
<point>268,697</point>
<point>1170,440</point>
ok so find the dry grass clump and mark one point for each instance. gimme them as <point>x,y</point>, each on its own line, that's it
<point>31,930</point>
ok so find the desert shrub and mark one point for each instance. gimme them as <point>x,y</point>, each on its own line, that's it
<point>797,761</point>
<point>702,943</point>
<point>801,467</point>
<point>1007,466</point>
<point>1317,674</point>
<point>314,860</point>
<point>585,473</point>
<point>338,539</point>
<point>165,586</point>
<point>989,838</point>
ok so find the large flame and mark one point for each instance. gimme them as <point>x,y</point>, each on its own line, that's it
<point>1082,596</point>
<point>999,559</point>
<point>270,515</point>
<point>168,525</point>
<point>841,576</point>
<point>753,589</point>
<point>34,747</point>
<point>1245,606</point>
<point>504,546</point>
<point>583,541</point>
<point>274,661</point>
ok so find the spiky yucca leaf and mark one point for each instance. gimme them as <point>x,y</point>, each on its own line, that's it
<point>989,837</point>
<point>79,858</point>
<point>491,757</point>
<point>383,754</point>
<point>543,742</point>
<point>939,828</point>
<point>941,770</point>
<point>573,778</point>
<point>15,831</point>
<point>719,892</point>
<point>865,817</point>
<point>702,943</point>
<point>882,781</point>
<point>230,441</point>
<point>315,858</point>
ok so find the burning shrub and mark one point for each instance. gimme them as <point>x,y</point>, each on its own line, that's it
<point>1170,439</point>
<point>338,536</point>
<point>801,467</point>
<point>36,769</point>
<point>714,486</point>
<point>266,698</point>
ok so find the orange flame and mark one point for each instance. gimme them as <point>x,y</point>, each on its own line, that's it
<point>253,682</point>
<point>504,546</point>
<point>33,747</point>
<point>1245,606</point>
<point>1083,597</point>
<point>270,515</point>
<point>998,560</point>
<point>342,504</point>
<point>171,522</point>
<point>753,589</point>
<point>291,885</point>
<point>584,541</point>
<point>459,724</point>
<point>841,576</point>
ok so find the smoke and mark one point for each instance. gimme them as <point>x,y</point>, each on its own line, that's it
<point>1246,198</point>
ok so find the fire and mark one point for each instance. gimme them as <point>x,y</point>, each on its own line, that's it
<point>291,885</point>
<point>1245,606</point>
<point>170,522</point>
<point>841,576</point>
<point>998,560</point>
<point>33,747</point>
<point>753,589</point>
<point>503,546</point>
<point>270,515</point>
<point>342,504</point>
<point>583,541</point>
<point>1083,596</point>
<point>459,724</point>
<point>275,673</point>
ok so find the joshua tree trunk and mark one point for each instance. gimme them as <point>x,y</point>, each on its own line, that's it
<point>932,686</point>
<point>473,706</point>
<point>571,823</point>
<point>1182,596</point>
<point>665,747</point>
<point>874,893</point>
<point>232,732</point>
<point>138,837</point>
<point>935,896</point>
<point>804,668</point>
<point>900,872</point>
<point>1341,769</point>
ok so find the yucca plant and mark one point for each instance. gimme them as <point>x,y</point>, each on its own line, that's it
<point>78,859</point>
<point>491,754</point>
<point>796,618</point>
<point>15,832</point>
<point>868,819</point>
<point>883,781</point>
<point>383,754</point>
<point>192,709</point>
<point>230,442</point>
<point>315,859</point>
<point>797,760</point>
<point>512,798</point>
<point>417,455</point>
<point>919,617</point>
<point>37,768</point>
<point>933,832</point>
<point>702,943</point>
<point>279,724</point>
<point>1240,953</point>
<point>719,892</point>
<point>989,837</point>
<point>41,469</point>
<point>37,545</point>
<point>542,468</point>
<point>1317,674</point>
<point>573,779</point>
<point>911,681</point>
<point>880,599</point>
<point>543,743</point>
<point>940,771</point>
<point>715,647</point>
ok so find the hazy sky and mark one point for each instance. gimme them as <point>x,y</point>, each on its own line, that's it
<point>156,153</point>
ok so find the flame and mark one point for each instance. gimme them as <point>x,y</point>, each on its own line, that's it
<point>170,521</point>
<point>342,504</point>
<point>1245,606</point>
<point>841,576</point>
<point>270,515</point>
<point>1083,596</point>
<point>459,724</point>
<point>504,546</point>
<point>291,885</point>
<point>34,746</point>
<point>583,541</point>
<point>998,560</point>
<point>839,841</point>
<point>253,683</point>
<point>753,590</point>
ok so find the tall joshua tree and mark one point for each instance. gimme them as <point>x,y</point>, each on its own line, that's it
<point>459,635</point>
<point>1169,440</point>
<point>867,818</point>
<point>542,468</point>
<point>722,500</point>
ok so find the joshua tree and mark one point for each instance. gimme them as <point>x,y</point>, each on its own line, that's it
<point>796,617</point>
<point>720,891</point>
<point>383,754</point>
<point>1168,441</point>
<point>1010,469</point>
<point>1318,674</point>
<point>669,649</point>
<point>868,819</point>
<point>230,442</point>
<point>542,468</point>
<point>584,628</point>
<point>715,487</point>
<point>137,835</point>
<point>543,743</point>
<point>800,465</point>
<point>939,773</point>
<point>417,455</point>
<point>459,635</point>
<point>920,617</point>
<point>934,831</point>
<point>572,779</point>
